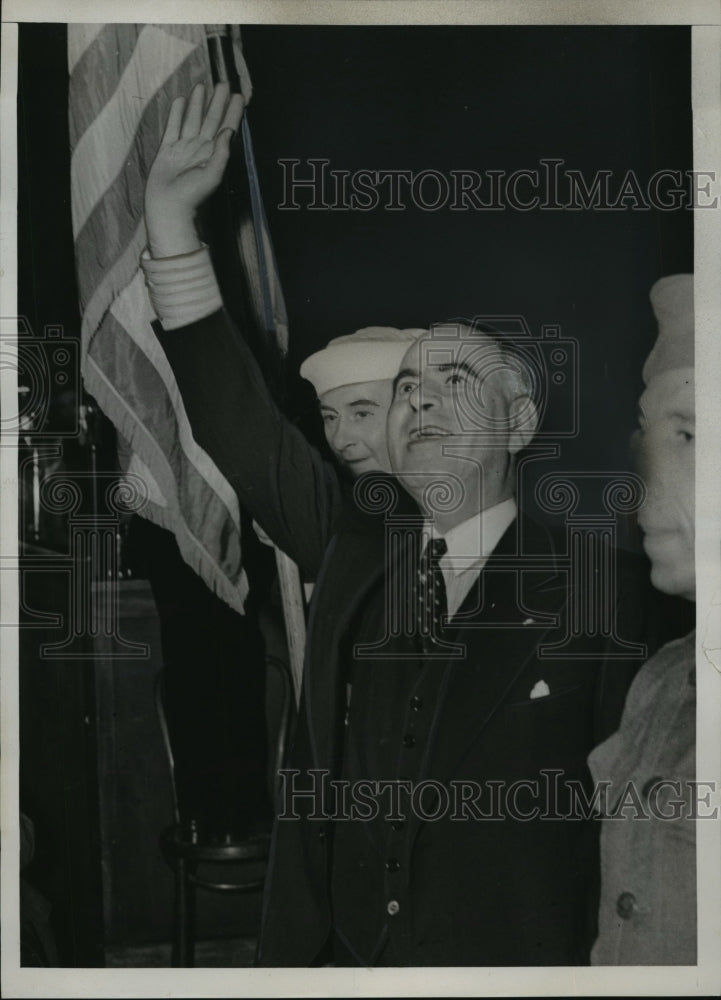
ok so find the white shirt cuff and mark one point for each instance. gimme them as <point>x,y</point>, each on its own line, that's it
<point>182,289</point>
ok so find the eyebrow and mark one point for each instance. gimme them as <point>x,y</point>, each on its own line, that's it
<point>404,373</point>
<point>356,402</point>
<point>458,366</point>
<point>455,366</point>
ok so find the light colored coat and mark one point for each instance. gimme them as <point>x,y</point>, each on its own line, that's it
<point>647,913</point>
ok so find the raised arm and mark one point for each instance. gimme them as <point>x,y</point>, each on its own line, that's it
<point>293,494</point>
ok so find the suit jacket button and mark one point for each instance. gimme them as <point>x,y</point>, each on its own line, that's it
<point>397,824</point>
<point>392,865</point>
<point>625,905</point>
<point>409,740</point>
<point>416,702</point>
<point>392,907</point>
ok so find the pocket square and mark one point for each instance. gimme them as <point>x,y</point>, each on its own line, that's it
<point>540,690</point>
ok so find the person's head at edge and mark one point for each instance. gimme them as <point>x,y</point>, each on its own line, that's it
<point>462,410</point>
<point>665,440</point>
<point>353,379</point>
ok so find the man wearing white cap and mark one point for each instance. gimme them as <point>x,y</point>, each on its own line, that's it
<point>353,379</point>
<point>648,889</point>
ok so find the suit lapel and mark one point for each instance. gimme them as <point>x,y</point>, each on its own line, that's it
<point>518,609</point>
<point>500,637</point>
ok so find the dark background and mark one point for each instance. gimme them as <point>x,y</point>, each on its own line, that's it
<point>372,98</point>
<point>480,98</point>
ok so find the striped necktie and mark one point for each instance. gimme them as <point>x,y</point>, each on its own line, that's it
<point>432,606</point>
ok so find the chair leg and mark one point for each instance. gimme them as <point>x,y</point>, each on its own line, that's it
<point>183,954</point>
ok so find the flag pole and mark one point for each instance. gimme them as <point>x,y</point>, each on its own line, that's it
<point>224,69</point>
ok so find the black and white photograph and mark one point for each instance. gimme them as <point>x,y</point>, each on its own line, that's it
<point>360,545</point>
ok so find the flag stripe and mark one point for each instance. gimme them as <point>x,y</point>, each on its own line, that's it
<point>109,245</point>
<point>103,148</point>
<point>97,73</point>
<point>157,510</point>
<point>116,277</point>
<point>137,467</point>
<point>192,552</point>
<point>131,310</point>
<point>80,39</point>
<point>165,464</point>
<point>123,79</point>
<point>134,411</point>
<point>108,50</point>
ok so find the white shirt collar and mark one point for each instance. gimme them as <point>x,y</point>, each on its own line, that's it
<point>472,542</point>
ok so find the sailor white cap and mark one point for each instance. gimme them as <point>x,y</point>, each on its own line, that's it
<point>368,355</point>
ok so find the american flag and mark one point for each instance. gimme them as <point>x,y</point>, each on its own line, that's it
<point>123,78</point>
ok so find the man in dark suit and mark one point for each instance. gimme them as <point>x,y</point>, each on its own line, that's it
<point>428,816</point>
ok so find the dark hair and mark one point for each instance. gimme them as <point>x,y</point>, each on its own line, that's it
<point>522,371</point>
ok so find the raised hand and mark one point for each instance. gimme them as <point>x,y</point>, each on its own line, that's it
<point>188,167</point>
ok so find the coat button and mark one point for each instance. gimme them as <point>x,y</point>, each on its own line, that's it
<point>397,824</point>
<point>625,905</point>
<point>650,784</point>
<point>416,703</point>
<point>392,865</point>
<point>392,907</point>
<point>409,740</point>
<point>321,835</point>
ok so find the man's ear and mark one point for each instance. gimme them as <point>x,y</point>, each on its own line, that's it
<point>523,421</point>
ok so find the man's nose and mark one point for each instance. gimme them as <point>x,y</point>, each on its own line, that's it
<point>645,454</point>
<point>656,471</point>
<point>422,398</point>
<point>342,435</point>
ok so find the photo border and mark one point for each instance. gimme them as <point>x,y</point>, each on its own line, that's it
<point>704,979</point>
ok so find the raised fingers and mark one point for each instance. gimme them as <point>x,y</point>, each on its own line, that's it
<point>175,119</point>
<point>233,113</point>
<point>216,109</point>
<point>193,113</point>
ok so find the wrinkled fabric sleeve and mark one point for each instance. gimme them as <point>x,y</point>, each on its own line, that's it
<point>288,488</point>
